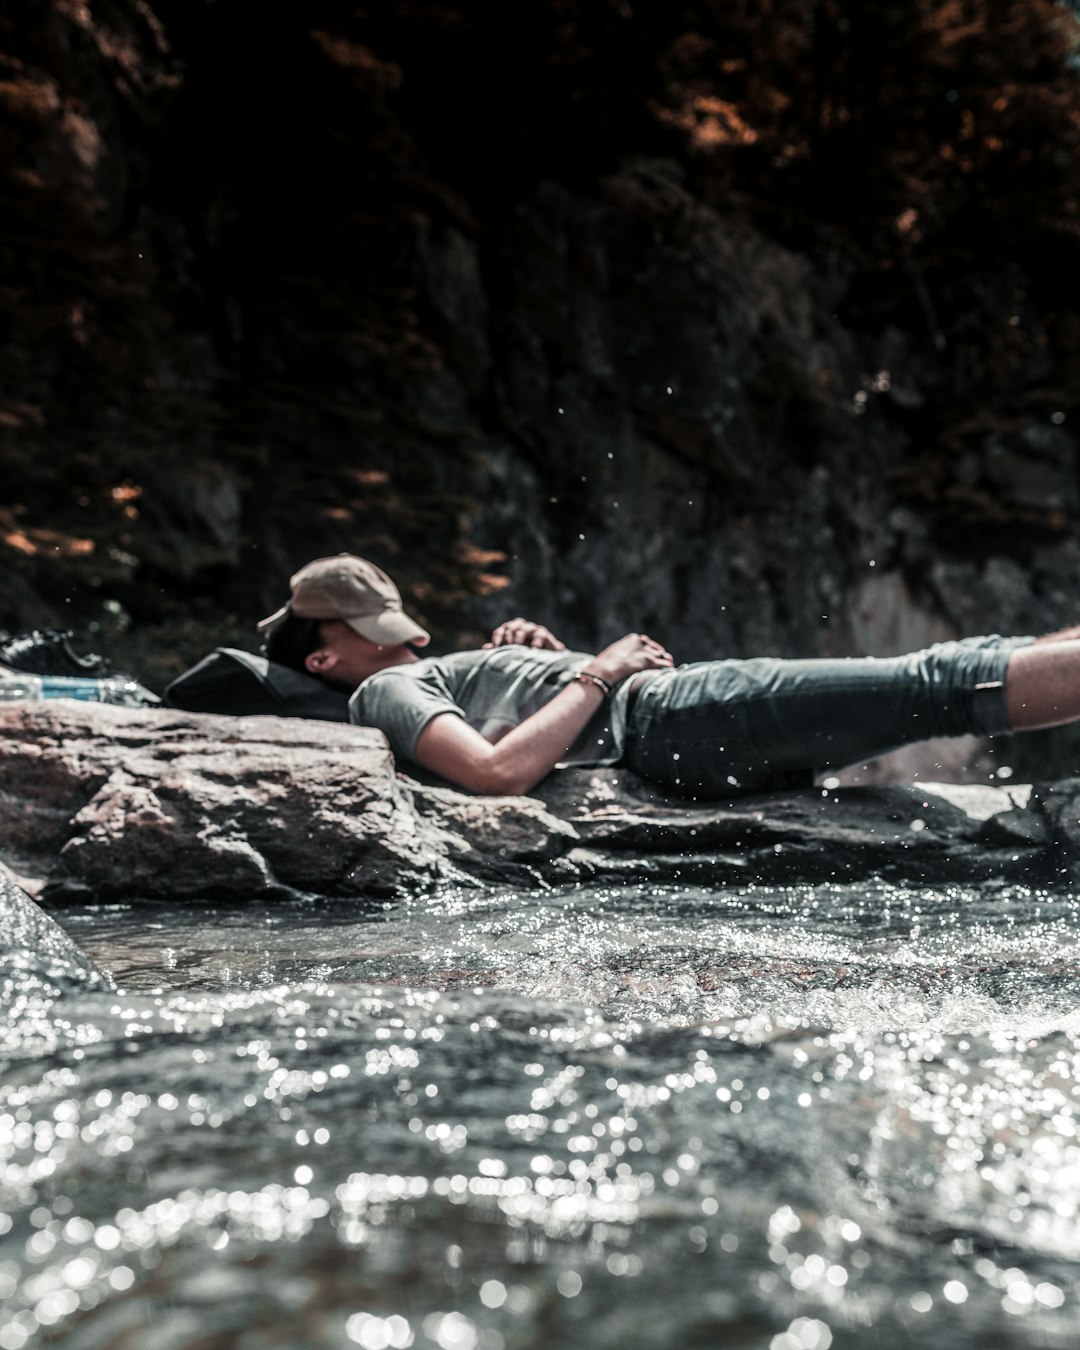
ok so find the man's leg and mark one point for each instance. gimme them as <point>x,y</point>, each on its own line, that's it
<point>1042,683</point>
<point>716,727</point>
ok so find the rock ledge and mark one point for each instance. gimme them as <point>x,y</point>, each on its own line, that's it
<point>106,802</point>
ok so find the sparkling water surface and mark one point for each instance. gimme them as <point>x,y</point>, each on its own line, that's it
<point>636,1116</point>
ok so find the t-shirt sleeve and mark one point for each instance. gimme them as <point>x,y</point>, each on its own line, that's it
<point>400,707</point>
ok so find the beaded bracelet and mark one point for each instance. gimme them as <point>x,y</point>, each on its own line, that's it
<point>586,677</point>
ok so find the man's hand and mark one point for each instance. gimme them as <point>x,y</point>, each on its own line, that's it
<point>525,633</point>
<point>628,656</point>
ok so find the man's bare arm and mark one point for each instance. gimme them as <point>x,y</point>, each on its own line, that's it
<point>454,750</point>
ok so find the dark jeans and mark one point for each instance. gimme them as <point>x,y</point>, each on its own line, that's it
<point>717,727</point>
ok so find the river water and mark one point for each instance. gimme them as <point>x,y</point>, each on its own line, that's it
<point>775,1118</point>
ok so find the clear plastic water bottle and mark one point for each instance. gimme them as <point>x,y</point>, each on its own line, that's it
<point>16,687</point>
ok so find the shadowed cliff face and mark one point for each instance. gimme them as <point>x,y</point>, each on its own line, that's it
<point>755,329</point>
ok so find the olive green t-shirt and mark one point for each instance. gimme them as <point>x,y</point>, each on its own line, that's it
<point>493,691</point>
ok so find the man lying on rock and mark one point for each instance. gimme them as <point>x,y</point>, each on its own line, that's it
<point>499,719</point>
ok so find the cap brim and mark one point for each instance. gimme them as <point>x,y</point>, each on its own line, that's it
<point>276,619</point>
<point>390,627</point>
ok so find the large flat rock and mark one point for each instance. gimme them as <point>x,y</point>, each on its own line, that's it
<point>109,802</point>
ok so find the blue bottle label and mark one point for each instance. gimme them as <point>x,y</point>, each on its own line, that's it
<point>70,686</point>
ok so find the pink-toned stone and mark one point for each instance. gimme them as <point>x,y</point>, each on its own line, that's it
<point>118,801</point>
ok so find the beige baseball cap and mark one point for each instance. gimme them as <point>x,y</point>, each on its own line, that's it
<point>356,592</point>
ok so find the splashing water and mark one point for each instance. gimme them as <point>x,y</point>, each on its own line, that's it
<point>786,1118</point>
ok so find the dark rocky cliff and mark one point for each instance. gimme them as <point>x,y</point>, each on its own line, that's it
<point>754,326</point>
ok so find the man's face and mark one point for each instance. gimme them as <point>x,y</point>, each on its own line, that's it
<point>345,658</point>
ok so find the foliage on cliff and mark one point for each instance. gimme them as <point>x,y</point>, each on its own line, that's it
<point>260,273</point>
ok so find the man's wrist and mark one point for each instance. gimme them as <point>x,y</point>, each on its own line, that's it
<point>589,677</point>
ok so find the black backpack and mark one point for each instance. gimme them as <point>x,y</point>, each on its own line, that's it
<point>241,684</point>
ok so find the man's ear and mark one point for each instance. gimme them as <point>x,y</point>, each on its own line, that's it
<point>320,662</point>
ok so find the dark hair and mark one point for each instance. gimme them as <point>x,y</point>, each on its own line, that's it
<point>293,640</point>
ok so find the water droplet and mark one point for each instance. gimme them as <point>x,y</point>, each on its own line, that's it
<point>569,1284</point>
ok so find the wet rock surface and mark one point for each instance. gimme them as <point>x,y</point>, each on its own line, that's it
<point>37,958</point>
<point>103,802</point>
<point>903,832</point>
